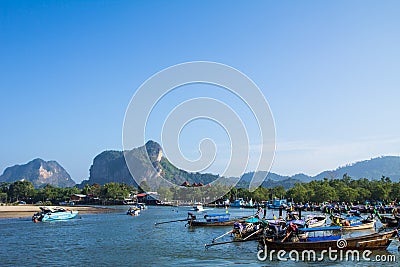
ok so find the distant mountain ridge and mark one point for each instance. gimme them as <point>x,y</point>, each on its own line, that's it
<point>110,166</point>
<point>40,173</point>
<point>371,169</point>
<point>374,168</point>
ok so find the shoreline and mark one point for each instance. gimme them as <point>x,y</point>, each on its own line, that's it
<point>23,211</point>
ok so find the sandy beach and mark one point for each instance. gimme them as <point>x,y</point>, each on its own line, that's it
<point>22,211</point>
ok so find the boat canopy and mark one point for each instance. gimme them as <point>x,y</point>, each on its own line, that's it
<point>253,220</point>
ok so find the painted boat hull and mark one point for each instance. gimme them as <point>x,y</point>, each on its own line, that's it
<point>374,241</point>
<point>366,224</point>
<point>363,226</point>
<point>225,223</point>
<point>201,223</point>
<point>56,216</point>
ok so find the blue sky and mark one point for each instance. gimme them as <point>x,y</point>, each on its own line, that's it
<point>329,70</point>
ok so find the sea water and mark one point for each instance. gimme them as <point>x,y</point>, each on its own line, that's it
<point>116,239</point>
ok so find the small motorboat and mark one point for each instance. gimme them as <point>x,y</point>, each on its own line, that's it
<point>198,208</point>
<point>133,211</point>
<point>48,214</point>
<point>315,220</point>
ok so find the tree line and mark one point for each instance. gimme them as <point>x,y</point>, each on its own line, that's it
<point>345,189</point>
<point>25,191</point>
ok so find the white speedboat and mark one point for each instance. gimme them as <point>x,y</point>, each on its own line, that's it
<point>315,220</point>
<point>198,207</point>
<point>48,215</point>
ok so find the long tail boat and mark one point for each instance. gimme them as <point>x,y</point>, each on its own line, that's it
<point>214,220</point>
<point>361,225</point>
<point>351,223</point>
<point>251,229</point>
<point>373,241</point>
<point>222,219</point>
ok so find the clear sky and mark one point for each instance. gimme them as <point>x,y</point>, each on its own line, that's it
<point>329,70</point>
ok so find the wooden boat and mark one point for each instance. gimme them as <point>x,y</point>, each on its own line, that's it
<point>250,229</point>
<point>213,220</point>
<point>48,215</point>
<point>351,223</point>
<point>278,228</point>
<point>361,225</point>
<point>371,242</point>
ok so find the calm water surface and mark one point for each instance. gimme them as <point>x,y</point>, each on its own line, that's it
<point>115,239</point>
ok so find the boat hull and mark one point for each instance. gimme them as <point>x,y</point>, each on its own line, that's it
<point>224,223</point>
<point>57,216</point>
<point>366,224</point>
<point>200,223</point>
<point>363,226</point>
<point>374,241</point>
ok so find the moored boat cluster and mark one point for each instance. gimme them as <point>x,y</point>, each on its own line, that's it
<point>285,227</point>
<point>319,230</point>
